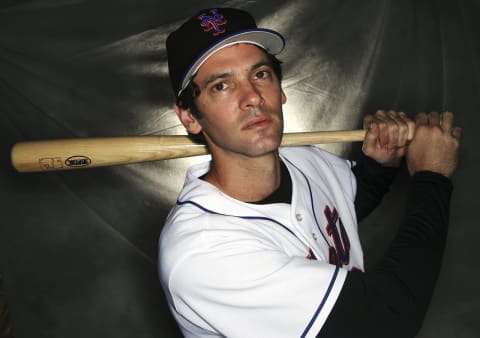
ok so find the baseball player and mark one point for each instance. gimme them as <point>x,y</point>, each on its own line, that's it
<point>263,241</point>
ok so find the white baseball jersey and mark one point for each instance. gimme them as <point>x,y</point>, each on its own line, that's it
<point>239,269</point>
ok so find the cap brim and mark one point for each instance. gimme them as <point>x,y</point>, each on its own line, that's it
<point>267,39</point>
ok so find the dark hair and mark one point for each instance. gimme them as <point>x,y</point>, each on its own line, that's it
<point>186,100</point>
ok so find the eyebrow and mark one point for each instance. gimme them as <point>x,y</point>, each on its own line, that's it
<point>215,77</point>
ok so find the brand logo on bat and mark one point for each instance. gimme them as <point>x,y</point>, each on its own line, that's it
<point>78,161</point>
<point>50,163</point>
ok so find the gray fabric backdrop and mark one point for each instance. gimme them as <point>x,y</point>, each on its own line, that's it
<point>78,249</point>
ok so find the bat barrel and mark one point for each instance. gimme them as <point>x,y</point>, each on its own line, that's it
<point>68,154</point>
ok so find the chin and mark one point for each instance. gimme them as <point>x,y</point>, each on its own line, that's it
<point>267,145</point>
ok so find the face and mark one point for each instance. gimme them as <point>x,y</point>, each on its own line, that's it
<point>240,102</point>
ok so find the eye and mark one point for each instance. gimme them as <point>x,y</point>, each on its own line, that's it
<point>263,74</point>
<point>219,86</point>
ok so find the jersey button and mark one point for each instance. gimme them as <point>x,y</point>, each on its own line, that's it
<point>299,217</point>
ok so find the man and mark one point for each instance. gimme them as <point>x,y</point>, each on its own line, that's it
<point>263,240</point>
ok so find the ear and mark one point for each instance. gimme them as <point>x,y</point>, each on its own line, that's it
<point>188,120</point>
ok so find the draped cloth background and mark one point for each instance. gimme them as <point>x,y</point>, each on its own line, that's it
<point>78,249</point>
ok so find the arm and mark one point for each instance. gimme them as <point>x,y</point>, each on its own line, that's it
<point>393,296</point>
<point>373,182</point>
<point>392,299</point>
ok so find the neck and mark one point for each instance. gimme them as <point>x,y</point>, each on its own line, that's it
<point>246,179</point>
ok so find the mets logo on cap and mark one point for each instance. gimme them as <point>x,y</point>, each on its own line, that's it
<point>213,22</point>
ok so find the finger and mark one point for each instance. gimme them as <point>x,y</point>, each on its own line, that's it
<point>383,135</point>
<point>367,121</point>
<point>379,117</point>
<point>434,119</point>
<point>421,119</point>
<point>401,134</point>
<point>400,128</point>
<point>394,130</point>
<point>388,127</point>
<point>379,121</point>
<point>370,140</point>
<point>410,125</point>
<point>380,113</point>
<point>394,116</point>
<point>457,132</point>
<point>446,121</point>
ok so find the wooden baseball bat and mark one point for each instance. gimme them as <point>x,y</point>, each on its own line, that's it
<point>67,154</point>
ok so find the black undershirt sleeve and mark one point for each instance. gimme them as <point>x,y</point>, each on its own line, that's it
<point>391,299</point>
<point>373,182</point>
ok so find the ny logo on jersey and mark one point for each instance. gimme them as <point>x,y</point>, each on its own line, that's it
<point>213,22</point>
<point>339,253</point>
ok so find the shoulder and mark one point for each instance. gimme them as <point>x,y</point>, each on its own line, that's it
<point>316,162</point>
<point>312,154</point>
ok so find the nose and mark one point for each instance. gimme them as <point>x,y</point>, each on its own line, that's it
<point>250,95</point>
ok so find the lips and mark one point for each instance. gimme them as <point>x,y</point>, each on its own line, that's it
<point>257,122</point>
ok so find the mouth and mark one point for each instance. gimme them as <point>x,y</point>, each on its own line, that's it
<point>257,123</point>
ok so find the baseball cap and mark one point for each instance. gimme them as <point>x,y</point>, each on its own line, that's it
<point>207,32</point>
